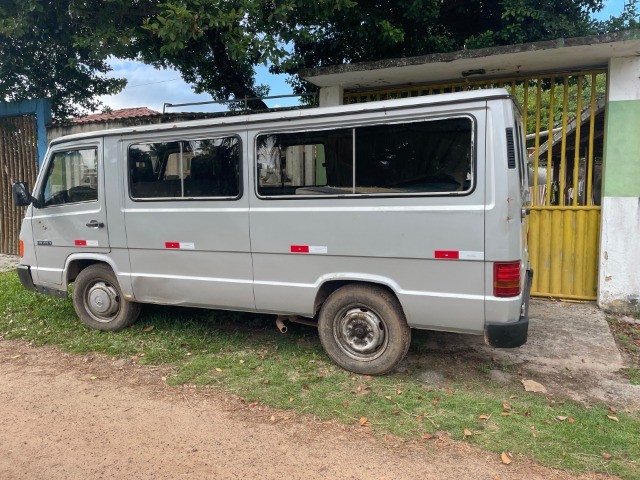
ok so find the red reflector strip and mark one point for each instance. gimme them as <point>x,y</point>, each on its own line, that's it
<point>171,244</point>
<point>447,254</point>
<point>299,248</point>
<point>81,243</point>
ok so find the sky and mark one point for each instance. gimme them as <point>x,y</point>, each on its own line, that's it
<point>149,87</point>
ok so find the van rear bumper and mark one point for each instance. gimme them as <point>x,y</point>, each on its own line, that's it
<point>513,334</point>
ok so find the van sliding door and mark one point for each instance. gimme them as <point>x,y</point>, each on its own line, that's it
<point>187,221</point>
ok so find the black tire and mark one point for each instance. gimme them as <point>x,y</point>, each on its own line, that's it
<point>363,329</point>
<point>98,300</point>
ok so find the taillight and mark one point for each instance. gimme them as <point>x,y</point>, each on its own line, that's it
<point>21,246</point>
<point>506,279</point>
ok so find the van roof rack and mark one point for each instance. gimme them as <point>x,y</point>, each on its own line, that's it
<point>244,100</point>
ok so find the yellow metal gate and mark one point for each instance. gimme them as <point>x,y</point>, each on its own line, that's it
<point>564,121</point>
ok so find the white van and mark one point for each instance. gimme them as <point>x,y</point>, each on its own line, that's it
<point>369,219</point>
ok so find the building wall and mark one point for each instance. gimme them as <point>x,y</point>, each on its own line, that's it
<point>619,280</point>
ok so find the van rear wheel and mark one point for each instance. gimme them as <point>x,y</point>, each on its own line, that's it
<point>363,329</point>
<point>98,300</point>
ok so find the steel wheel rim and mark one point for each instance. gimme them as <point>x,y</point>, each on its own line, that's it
<point>360,333</point>
<point>102,301</point>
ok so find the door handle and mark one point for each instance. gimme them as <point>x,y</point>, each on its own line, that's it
<point>95,224</point>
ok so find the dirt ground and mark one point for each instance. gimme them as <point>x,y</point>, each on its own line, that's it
<point>73,417</point>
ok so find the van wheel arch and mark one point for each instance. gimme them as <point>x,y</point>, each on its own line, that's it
<point>76,266</point>
<point>327,288</point>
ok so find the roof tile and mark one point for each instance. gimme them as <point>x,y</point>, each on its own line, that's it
<point>138,112</point>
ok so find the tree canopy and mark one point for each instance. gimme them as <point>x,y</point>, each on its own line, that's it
<point>60,48</point>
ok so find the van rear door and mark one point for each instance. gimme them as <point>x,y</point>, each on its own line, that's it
<point>72,214</point>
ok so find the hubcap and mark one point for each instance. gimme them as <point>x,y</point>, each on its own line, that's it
<point>102,301</point>
<point>360,333</point>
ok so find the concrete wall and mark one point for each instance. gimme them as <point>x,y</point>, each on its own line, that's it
<point>619,276</point>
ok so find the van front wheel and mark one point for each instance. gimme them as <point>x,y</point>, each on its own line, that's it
<point>363,329</point>
<point>98,300</point>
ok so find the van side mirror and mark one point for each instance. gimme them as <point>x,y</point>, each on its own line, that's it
<point>21,195</point>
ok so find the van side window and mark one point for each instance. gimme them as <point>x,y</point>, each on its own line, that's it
<point>305,163</point>
<point>185,169</point>
<point>419,157</point>
<point>432,156</point>
<point>72,177</point>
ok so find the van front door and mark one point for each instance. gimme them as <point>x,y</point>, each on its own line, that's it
<point>71,214</point>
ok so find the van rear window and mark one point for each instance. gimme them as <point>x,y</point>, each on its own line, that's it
<point>185,169</point>
<point>432,156</point>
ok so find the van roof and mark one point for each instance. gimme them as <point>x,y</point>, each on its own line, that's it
<point>252,118</point>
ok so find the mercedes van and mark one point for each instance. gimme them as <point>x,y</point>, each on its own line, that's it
<point>366,220</point>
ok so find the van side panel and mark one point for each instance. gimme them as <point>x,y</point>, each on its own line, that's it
<point>189,252</point>
<point>391,241</point>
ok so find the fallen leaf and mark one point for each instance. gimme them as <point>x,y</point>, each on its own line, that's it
<point>612,409</point>
<point>399,392</point>
<point>505,458</point>
<point>419,418</point>
<point>506,406</point>
<point>189,354</point>
<point>483,417</point>
<point>606,456</point>
<point>427,436</point>
<point>241,362</point>
<point>613,417</point>
<point>93,377</point>
<point>362,421</point>
<point>368,377</point>
<point>149,328</point>
<point>435,402</point>
<point>513,396</point>
<point>273,418</point>
<point>467,433</point>
<point>266,382</point>
<point>533,386</point>
<point>571,420</point>
<point>505,414</point>
<point>218,369</point>
<point>387,397</point>
<point>561,418</point>
<point>291,399</point>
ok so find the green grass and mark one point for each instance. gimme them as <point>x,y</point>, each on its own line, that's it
<point>634,375</point>
<point>246,355</point>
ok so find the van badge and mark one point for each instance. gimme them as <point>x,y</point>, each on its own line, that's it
<point>44,243</point>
